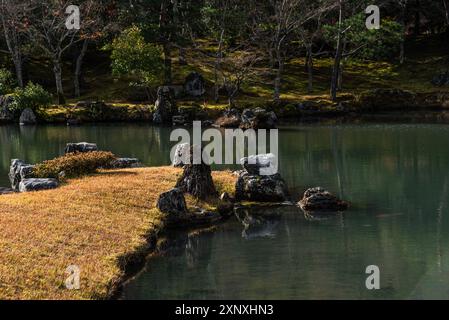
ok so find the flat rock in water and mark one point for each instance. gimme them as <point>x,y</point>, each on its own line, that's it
<point>34,184</point>
<point>80,147</point>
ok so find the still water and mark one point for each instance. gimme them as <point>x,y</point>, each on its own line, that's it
<point>395,176</point>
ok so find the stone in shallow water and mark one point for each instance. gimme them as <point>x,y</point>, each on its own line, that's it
<point>261,188</point>
<point>27,117</point>
<point>34,184</point>
<point>80,147</point>
<point>320,200</point>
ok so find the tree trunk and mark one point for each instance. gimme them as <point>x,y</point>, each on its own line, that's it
<point>309,64</point>
<point>167,63</point>
<point>57,69</point>
<point>278,77</point>
<point>182,56</point>
<point>337,61</point>
<point>18,65</point>
<point>79,64</point>
<point>446,11</point>
<point>417,30</point>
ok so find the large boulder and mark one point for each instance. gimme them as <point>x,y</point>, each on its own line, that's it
<point>196,179</point>
<point>258,118</point>
<point>320,200</point>
<point>80,147</point>
<point>195,85</point>
<point>165,105</point>
<point>172,202</point>
<point>262,164</point>
<point>27,117</point>
<point>230,119</point>
<point>181,156</point>
<point>123,163</point>
<point>7,114</point>
<point>34,184</point>
<point>254,187</point>
<point>18,171</point>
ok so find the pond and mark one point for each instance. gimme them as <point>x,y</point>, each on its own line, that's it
<point>395,175</point>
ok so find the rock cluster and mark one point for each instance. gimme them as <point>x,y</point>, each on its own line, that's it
<point>257,118</point>
<point>321,200</point>
<point>80,147</point>
<point>253,186</point>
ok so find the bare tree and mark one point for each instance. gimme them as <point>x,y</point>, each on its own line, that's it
<point>235,70</point>
<point>13,19</point>
<point>96,21</point>
<point>49,32</point>
<point>284,17</point>
<point>403,5</point>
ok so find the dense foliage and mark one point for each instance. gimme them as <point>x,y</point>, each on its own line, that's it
<point>74,164</point>
<point>7,81</point>
<point>33,96</point>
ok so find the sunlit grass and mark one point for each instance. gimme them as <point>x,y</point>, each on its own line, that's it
<point>96,223</point>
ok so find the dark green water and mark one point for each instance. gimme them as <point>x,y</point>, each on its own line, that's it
<point>396,176</point>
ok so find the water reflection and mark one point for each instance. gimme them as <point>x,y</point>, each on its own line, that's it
<point>395,176</point>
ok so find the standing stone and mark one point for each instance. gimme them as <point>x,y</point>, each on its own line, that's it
<point>19,171</point>
<point>165,105</point>
<point>181,156</point>
<point>197,179</point>
<point>27,117</point>
<point>261,164</point>
<point>195,85</point>
<point>80,147</point>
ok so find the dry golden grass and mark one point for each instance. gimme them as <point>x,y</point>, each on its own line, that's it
<point>93,222</point>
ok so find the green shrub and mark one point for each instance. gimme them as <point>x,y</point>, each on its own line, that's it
<point>33,96</point>
<point>7,82</point>
<point>74,164</point>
